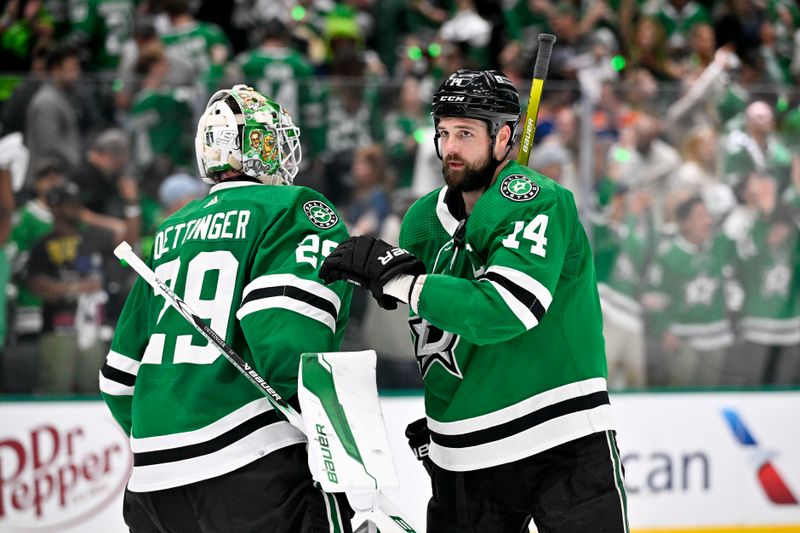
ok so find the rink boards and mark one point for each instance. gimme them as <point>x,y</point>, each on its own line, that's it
<point>712,462</point>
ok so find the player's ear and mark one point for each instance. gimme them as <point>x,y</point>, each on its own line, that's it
<point>502,140</point>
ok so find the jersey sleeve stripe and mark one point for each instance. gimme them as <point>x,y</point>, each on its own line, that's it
<point>286,291</point>
<point>290,304</point>
<point>114,388</point>
<point>528,319</point>
<point>281,280</point>
<point>114,374</point>
<point>524,282</point>
<point>294,293</point>
<point>123,363</point>
<point>523,303</point>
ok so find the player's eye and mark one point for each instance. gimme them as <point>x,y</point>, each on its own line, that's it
<point>466,134</point>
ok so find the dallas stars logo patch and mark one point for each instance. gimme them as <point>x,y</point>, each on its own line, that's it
<point>518,188</point>
<point>432,345</point>
<point>320,214</point>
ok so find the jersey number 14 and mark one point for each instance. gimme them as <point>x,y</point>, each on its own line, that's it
<point>533,231</point>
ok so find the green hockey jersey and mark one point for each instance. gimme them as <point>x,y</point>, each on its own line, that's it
<point>245,258</point>
<point>105,26</point>
<point>159,121</point>
<point>287,77</point>
<point>507,328</point>
<point>620,294</point>
<point>689,281</point>
<point>31,223</point>
<point>195,43</point>
<point>768,275</point>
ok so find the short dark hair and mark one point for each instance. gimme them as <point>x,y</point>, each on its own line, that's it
<point>174,8</point>
<point>58,54</point>
<point>47,167</point>
<point>684,209</point>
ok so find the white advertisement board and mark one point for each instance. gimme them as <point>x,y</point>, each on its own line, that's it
<point>693,461</point>
<point>63,466</point>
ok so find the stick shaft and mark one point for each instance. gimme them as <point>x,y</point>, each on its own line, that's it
<point>546,42</point>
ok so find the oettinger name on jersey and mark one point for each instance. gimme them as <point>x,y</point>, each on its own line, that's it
<point>518,188</point>
<point>320,214</point>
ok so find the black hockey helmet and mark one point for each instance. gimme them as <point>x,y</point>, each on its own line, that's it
<point>486,95</point>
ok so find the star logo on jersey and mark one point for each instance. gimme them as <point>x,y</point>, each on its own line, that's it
<point>624,268</point>
<point>776,281</point>
<point>320,214</point>
<point>212,202</point>
<point>518,188</point>
<point>432,345</point>
<point>700,291</point>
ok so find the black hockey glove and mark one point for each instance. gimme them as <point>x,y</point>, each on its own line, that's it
<point>370,263</point>
<point>419,440</point>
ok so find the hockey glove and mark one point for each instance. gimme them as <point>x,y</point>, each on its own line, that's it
<point>419,440</point>
<point>370,263</point>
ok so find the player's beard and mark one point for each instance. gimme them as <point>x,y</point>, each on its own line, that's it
<point>473,177</point>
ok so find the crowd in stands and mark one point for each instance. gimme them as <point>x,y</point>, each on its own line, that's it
<point>675,123</point>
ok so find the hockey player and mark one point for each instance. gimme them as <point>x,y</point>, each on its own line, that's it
<point>210,453</point>
<point>506,323</point>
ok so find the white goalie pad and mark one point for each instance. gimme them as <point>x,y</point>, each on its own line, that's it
<point>348,448</point>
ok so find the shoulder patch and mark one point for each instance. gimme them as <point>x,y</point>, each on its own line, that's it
<point>518,188</point>
<point>320,214</point>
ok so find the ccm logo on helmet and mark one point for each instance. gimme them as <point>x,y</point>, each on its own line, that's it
<point>451,99</point>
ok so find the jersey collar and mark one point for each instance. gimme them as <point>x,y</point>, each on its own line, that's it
<point>231,185</point>
<point>446,218</point>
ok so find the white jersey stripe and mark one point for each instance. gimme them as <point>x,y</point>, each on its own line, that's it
<point>526,282</point>
<point>520,409</point>
<point>211,431</point>
<point>280,280</point>
<point>526,443</point>
<point>244,451</point>
<point>114,388</point>
<point>290,304</point>
<point>123,363</point>
<point>519,309</point>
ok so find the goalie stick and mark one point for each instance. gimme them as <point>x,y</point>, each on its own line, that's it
<point>546,41</point>
<point>387,512</point>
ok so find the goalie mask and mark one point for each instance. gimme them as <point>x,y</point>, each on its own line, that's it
<point>245,131</point>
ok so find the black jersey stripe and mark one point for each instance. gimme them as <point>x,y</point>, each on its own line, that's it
<point>525,297</point>
<point>295,294</point>
<point>518,425</point>
<point>117,375</point>
<point>210,446</point>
